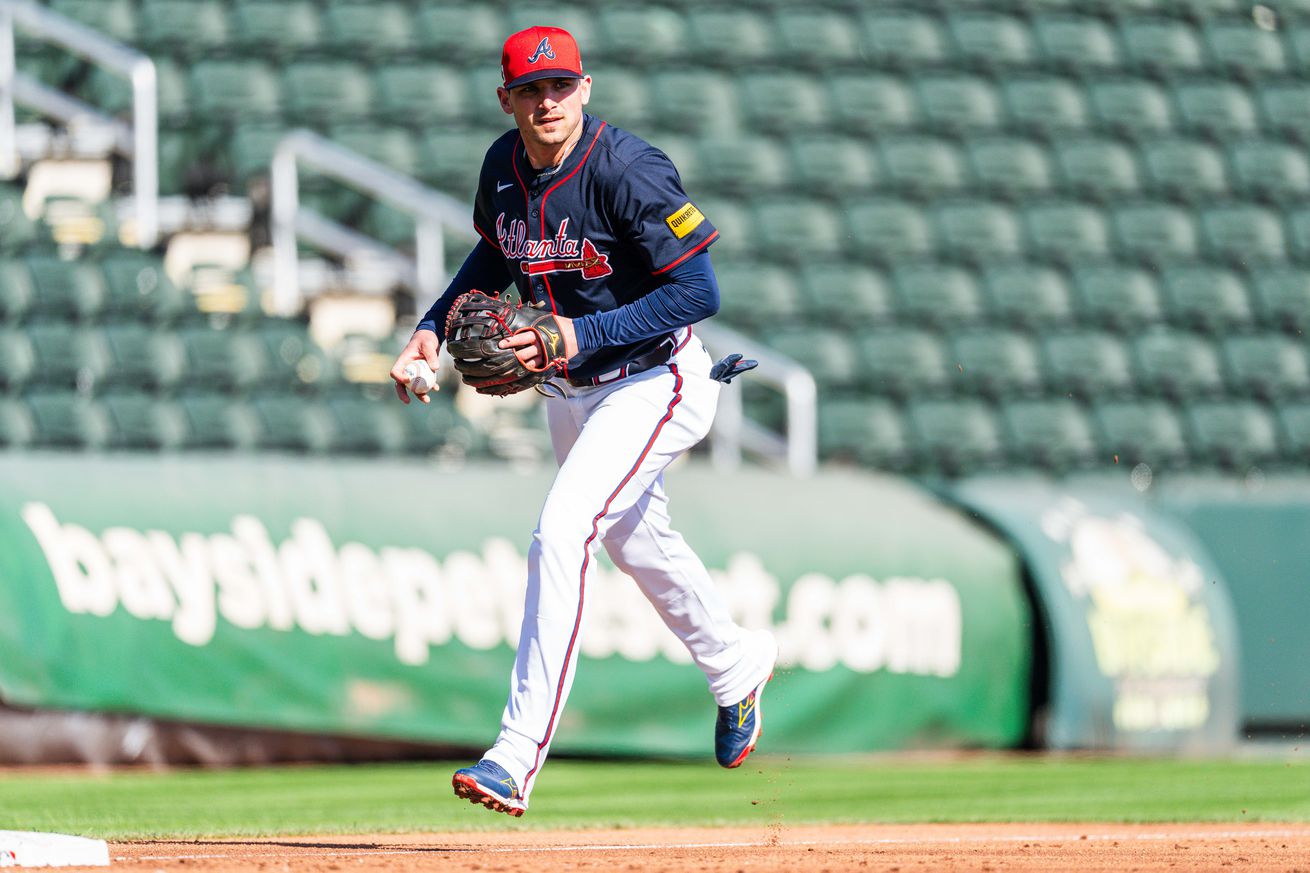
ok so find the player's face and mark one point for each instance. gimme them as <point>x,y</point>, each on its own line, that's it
<point>548,112</point>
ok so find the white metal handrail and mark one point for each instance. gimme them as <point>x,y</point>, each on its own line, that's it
<point>797,449</point>
<point>433,212</point>
<point>140,141</point>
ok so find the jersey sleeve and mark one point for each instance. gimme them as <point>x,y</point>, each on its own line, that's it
<point>653,213</point>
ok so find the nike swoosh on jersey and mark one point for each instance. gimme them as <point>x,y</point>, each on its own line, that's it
<point>500,187</point>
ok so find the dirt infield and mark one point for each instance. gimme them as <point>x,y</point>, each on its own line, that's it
<point>977,847</point>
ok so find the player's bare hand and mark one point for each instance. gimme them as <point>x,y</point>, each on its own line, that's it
<point>423,346</point>
<point>529,350</point>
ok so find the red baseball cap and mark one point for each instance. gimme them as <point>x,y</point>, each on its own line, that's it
<point>540,53</point>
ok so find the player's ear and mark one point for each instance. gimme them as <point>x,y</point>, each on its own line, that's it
<point>584,86</point>
<point>503,96</point>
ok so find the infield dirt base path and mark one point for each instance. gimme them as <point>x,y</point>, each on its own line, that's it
<point>897,848</point>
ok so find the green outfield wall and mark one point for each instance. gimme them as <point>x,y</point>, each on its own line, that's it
<point>370,599</point>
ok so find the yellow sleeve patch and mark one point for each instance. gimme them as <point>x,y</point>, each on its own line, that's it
<point>685,220</point>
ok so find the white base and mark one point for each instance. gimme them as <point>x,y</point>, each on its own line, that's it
<point>31,849</point>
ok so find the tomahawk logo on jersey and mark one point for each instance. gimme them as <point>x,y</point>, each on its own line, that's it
<point>601,230</point>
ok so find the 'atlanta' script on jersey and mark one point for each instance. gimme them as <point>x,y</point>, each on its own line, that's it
<point>560,253</point>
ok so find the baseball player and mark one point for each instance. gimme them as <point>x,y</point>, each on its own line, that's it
<point>591,223</point>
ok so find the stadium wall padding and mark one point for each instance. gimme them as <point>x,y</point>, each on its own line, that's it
<point>374,598</point>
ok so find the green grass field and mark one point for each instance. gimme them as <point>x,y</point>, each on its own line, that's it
<point>578,794</point>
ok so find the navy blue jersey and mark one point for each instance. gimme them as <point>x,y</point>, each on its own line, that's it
<point>602,229</point>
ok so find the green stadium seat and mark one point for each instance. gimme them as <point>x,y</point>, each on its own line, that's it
<point>292,362</point>
<point>741,165</point>
<point>1101,168</point>
<point>887,229</point>
<point>1176,364</point>
<point>1282,297</point>
<point>828,353</point>
<point>817,38</point>
<point>974,229</point>
<point>16,291</point>
<point>455,32</point>
<point>1242,48</point>
<point>1184,169</point>
<point>641,35</point>
<point>1076,42</point>
<point>902,38</point>
<point>920,164</point>
<point>182,27</point>
<point>684,151</point>
<point>1044,103</point>
<point>1285,107</point>
<point>431,428</point>
<point>833,166</point>
<point>249,154</point>
<point>843,293</point>
<point>290,423</point>
<point>1298,231</point>
<point>865,431</point>
<point>234,89</point>
<point>902,362</point>
<point>136,287</point>
<point>112,92</point>
<point>621,98</point>
<point>65,289</point>
<point>1140,432</point>
<point>322,92</point>
<point>737,236</point>
<point>751,293</point>
<point>217,421</point>
<point>957,102</point>
<point>17,360</point>
<point>115,19</point>
<point>989,39</point>
<point>139,421</point>
<point>17,430</point>
<point>1066,230</point>
<point>935,293</point>
<point>863,103</point>
<point>1233,434</point>
<point>67,420</point>
<point>1115,295</point>
<point>1215,108</point>
<point>363,426</point>
<point>1132,107</point>
<point>1298,45</point>
<point>777,102</point>
<point>954,437</point>
<point>694,101</point>
<point>451,158</point>
<point>392,226</point>
<point>1161,45</point>
<point>418,94</point>
<point>1270,170</point>
<point>796,229</point>
<point>1269,366</point>
<point>1204,10</point>
<point>996,363</point>
<point>752,40</point>
<point>227,359</point>
<point>1208,298</point>
<point>140,357</point>
<point>1026,294</point>
<point>16,229</point>
<point>378,29</point>
<point>1052,434</point>
<point>280,28</point>
<point>1154,232</point>
<point>390,145</point>
<point>1086,363</point>
<point>1008,166</point>
<point>1293,430</point>
<point>1242,233</point>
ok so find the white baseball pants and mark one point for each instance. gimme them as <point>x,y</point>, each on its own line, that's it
<point>613,442</point>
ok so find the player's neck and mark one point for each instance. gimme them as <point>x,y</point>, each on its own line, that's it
<point>543,157</point>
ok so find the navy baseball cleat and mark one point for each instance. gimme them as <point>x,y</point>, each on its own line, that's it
<point>738,729</point>
<point>487,783</point>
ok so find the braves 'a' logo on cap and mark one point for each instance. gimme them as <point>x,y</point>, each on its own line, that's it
<point>543,51</point>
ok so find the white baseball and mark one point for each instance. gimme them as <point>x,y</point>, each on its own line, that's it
<point>421,378</point>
